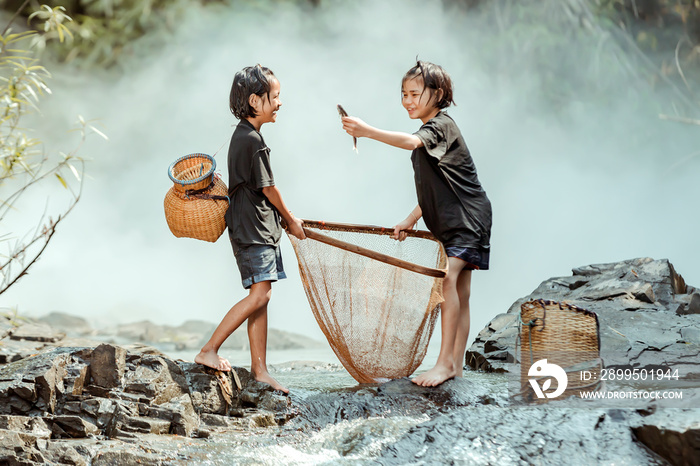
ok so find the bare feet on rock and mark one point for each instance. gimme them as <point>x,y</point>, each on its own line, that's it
<point>212,360</point>
<point>265,377</point>
<point>435,376</point>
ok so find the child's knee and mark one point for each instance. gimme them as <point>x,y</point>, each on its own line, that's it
<point>260,297</point>
<point>449,282</point>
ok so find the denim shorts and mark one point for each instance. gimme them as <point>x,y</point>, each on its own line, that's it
<point>259,263</point>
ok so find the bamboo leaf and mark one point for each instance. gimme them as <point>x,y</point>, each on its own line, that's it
<point>63,182</point>
<point>75,172</point>
<point>103,135</point>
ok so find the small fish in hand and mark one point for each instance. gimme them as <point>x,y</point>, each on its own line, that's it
<point>343,113</point>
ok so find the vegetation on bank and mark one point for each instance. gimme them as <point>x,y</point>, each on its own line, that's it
<point>24,164</point>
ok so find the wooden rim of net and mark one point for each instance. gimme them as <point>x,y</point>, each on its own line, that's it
<point>321,225</point>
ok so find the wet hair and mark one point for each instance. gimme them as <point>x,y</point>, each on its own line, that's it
<point>435,78</point>
<point>250,80</point>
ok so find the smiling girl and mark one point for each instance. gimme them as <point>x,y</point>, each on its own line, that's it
<point>451,201</point>
<point>253,219</point>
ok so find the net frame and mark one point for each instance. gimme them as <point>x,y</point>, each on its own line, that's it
<point>331,322</point>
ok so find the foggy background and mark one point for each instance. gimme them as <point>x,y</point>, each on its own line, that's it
<point>585,181</point>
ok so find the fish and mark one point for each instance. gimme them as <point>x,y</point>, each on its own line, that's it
<point>343,113</point>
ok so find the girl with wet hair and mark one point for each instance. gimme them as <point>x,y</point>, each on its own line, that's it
<point>253,217</point>
<point>251,80</point>
<point>435,80</point>
<point>451,201</point>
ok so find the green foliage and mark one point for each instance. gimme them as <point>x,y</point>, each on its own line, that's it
<point>23,82</point>
<point>23,163</point>
<point>103,31</point>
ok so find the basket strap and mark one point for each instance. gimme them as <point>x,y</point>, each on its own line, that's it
<point>201,194</point>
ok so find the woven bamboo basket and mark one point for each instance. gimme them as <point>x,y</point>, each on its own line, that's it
<point>196,203</point>
<point>565,335</point>
<point>192,172</point>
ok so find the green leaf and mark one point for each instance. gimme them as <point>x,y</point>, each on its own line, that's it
<point>63,182</point>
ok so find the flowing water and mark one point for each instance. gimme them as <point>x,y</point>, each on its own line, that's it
<point>331,432</point>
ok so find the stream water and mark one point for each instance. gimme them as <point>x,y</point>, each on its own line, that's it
<point>342,422</point>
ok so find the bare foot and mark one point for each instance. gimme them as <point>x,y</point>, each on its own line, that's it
<point>213,360</point>
<point>435,376</point>
<point>265,377</point>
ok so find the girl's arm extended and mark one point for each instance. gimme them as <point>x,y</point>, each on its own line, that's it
<point>409,223</point>
<point>359,129</point>
<point>293,224</point>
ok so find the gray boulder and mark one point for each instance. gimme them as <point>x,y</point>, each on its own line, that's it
<point>642,307</point>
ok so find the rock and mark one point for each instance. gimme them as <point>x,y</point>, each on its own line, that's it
<point>57,452</point>
<point>77,377</point>
<point>400,397</point>
<point>693,306</point>
<point>206,392</point>
<point>7,325</point>
<point>677,283</point>
<point>120,457</point>
<point>674,436</point>
<point>643,292</point>
<point>107,364</point>
<point>262,419</point>
<point>157,378</point>
<point>44,372</point>
<point>73,427</point>
<point>37,332</point>
<point>67,323</point>
<point>535,435</point>
<point>691,335</point>
<point>11,353</point>
<point>636,302</point>
<point>28,425</point>
<point>47,397</point>
<point>183,417</point>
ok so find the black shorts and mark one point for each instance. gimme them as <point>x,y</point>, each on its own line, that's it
<point>476,259</point>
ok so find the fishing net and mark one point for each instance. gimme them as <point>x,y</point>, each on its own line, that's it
<point>375,299</point>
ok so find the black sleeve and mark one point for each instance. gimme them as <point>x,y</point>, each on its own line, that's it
<point>433,137</point>
<point>260,169</point>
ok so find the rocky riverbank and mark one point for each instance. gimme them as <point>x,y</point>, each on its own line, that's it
<point>108,392</point>
<point>125,404</point>
<point>648,316</point>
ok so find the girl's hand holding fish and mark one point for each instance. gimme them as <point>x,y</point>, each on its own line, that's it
<point>356,127</point>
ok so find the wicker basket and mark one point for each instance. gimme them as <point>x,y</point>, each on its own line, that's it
<point>196,203</point>
<point>192,172</point>
<point>565,335</point>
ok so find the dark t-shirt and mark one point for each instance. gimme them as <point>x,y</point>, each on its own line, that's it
<point>455,207</point>
<point>250,217</point>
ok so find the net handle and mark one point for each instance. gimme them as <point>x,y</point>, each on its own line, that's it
<point>321,225</point>
<point>437,273</point>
